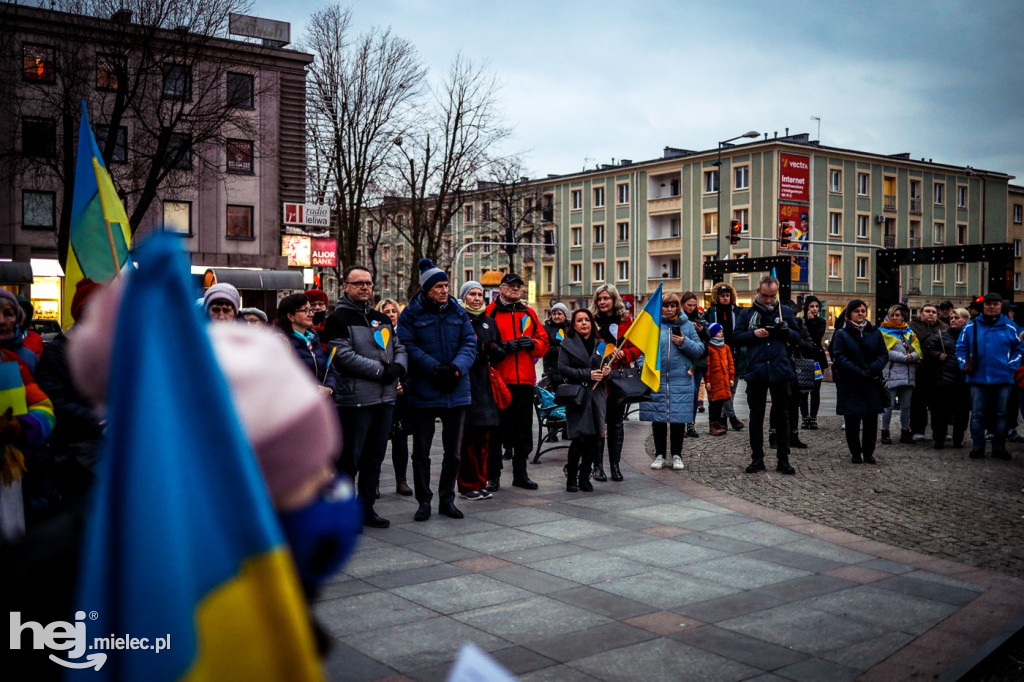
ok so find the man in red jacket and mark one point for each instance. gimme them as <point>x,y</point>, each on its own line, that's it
<point>525,341</point>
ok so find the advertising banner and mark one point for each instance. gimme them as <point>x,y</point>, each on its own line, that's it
<point>297,249</point>
<point>794,177</point>
<point>325,253</point>
<point>797,219</point>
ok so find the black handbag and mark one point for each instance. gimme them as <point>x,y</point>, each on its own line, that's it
<point>804,369</point>
<point>625,386</point>
<point>570,395</point>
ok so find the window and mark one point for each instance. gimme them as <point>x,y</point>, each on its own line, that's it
<point>673,227</point>
<point>469,213</point>
<point>39,137</point>
<point>179,151</point>
<point>938,233</point>
<point>1018,213</point>
<point>835,224</point>
<point>549,275</point>
<point>961,196</point>
<point>835,180</point>
<point>240,222</point>
<point>120,154</point>
<point>622,270</point>
<point>400,254</point>
<point>961,273</point>
<point>961,234</point>
<point>937,273</point>
<point>386,282</point>
<point>37,63</point>
<point>240,157</point>
<point>742,215</point>
<point>710,224</point>
<point>547,207</point>
<point>577,236</point>
<point>623,193</point>
<point>109,69</point>
<point>622,232</point>
<point>862,227</point>
<point>670,270</point>
<point>598,197</point>
<point>1016,248</point>
<point>241,88</point>
<point>710,181</point>
<point>577,273</point>
<point>742,176</point>
<point>178,217</point>
<point>38,210</point>
<point>577,199</point>
<point>598,272</point>
<point>177,82</point>
<point>385,253</point>
<point>598,234</point>
<point>485,211</point>
<point>835,266</point>
<point>862,184</point>
<point>940,192</point>
<point>862,267</point>
<point>1016,281</point>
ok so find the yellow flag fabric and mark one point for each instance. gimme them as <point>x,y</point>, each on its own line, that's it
<point>645,334</point>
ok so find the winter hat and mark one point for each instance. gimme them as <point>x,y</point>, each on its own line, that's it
<point>253,311</point>
<point>562,307</point>
<point>19,313</point>
<point>469,286</point>
<point>222,291</point>
<point>316,295</point>
<point>808,300</point>
<point>83,292</point>
<point>713,329</point>
<point>430,274</point>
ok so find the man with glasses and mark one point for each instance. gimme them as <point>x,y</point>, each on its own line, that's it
<point>765,329</point>
<point>368,363</point>
<point>525,341</point>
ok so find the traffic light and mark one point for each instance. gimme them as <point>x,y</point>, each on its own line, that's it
<point>734,232</point>
<point>785,234</point>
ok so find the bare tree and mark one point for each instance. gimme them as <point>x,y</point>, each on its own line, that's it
<point>437,167</point>
<point>516,203</point>
<point>361,97</point>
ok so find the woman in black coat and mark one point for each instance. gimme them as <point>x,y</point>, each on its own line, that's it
<point>859,355</point>
<point>816,326</point>
<point>579,363</point>
<point>954,399</point>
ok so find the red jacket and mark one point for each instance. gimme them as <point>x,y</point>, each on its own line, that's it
<point>631,352</point>
<point>721,372</point>
<point>518,368</point>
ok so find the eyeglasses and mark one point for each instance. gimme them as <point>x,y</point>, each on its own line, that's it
<point>305,311</point>
<point>368,284</point>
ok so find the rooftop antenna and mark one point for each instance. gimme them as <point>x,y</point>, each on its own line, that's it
<point>818,119</point>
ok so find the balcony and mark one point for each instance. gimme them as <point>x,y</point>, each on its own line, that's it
<point>889,203</point>
<point>915,205</point>
<point>665,245</point>
<point>914,286</point>
<point>889,241</point>
<point>665,205</point>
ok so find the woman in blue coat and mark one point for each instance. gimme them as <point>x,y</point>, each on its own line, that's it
<point>295,320</point>
<point>859,356</point>
<point>672,404</point>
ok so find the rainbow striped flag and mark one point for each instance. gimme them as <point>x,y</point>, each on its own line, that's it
<point>181,540</point>
<point>100,235</point>
<point>645,334</point>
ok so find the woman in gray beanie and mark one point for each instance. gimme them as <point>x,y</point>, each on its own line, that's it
<point>218,299</point>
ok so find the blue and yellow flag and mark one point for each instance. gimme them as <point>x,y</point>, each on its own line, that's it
<point>908,336</point>
<point>182,542</point>
<point>100,234</point>
<point>645,334</point>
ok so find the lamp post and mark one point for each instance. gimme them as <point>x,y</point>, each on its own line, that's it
<point>718,213</point>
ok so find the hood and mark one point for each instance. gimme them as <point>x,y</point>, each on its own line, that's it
<point>714,293</point>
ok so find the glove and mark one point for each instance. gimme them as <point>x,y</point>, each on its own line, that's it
<point>496,352</point>
<point>510,346</point>
<point>526,343</point>
<point>392,372</point>
<point>10,427</point>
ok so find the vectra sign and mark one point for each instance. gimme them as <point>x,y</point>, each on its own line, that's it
<point>794,177</point>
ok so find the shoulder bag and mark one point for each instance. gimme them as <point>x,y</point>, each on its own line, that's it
<point>502,396</point>
<point>570,395</point>
<point>804,368</point>
<point>625,386</point>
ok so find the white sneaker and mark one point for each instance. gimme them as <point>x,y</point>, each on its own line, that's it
<point>677,462</point>
<point>918,437</point>
<point>658,462</point>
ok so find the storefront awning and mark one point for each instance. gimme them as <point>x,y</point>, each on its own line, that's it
<point>491,278</point>
<point>15,272</point>
<point>267,280</point>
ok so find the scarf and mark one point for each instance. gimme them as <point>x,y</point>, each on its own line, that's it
<point>718,342</point>
<point>307,337</point>
<point>476,312</point>
<point>900,331</point>
<point>763,315</point>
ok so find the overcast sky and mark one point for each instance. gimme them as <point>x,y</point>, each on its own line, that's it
<point>586,82</point>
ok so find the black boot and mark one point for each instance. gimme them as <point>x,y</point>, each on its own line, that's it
<point>940,442</point>
<point>784,467</point>
<point>771,439</point>
<point>812,423</point>
<point>856,458</point>
<point>906,437</point>
<point>756,464</point>
<point>886,437</point>
<point>805,423</point>
<point>583,478</point>
<point>794,440</point>
<point>737,425</point>
<point>616,436</point>
<point>691,431</point>
<point>572,470</point>
<point>599,474</point>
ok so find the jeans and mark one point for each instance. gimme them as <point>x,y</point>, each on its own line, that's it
<point>905,394</point>
<point>452,419</point>
<point>814,398</point>
<point>365,433</point>
<point>662,432</point>
<point>698,376</point>
<point>988,402</point>
<point>757,394</point>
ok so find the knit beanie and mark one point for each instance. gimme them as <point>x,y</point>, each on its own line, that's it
<point>253,311</point>
<point>83,292</point>
<point>316,295</point>
<point>430,274</point>
<point>562,307</point>
<point>469,286</point>
<point>19,312</point>
<point>222,291</point>
<point>713,329</point>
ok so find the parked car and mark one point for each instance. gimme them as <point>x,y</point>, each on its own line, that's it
<point>47,329</point>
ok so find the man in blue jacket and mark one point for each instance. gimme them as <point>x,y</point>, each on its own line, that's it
<point>990,341</point>
<point>765,329</point>
<point>441,344</point>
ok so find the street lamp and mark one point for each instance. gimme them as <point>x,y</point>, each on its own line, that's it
<point>718,164</point>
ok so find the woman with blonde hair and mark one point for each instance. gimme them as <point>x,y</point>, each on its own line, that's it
<point>401,426</point>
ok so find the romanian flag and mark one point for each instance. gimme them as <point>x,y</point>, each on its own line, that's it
<point>906,334</point>
<point>645,334</point>
<point>100,234</point>
<point>182,541</point>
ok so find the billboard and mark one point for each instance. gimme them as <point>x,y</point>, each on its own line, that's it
<point>794,177</point>
<point>798,219</point>
<point>297,249</point>
<point>325,253</point>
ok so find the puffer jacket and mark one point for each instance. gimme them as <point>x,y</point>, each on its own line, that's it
<point>311,352</point>
<point>767,359</point>
<point>366,344</point>
<point>673,401</point>
<point>721,372</point>
<point>947,372</point>
<point>899,371</point>
<point>484,410</point>
<point>514,321</point>
<point>437,335</point>
<point>998,350</point>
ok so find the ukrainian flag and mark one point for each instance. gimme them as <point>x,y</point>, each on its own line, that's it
<point>645,334</point>
<point>907,335</point>
<point>182,540</point>
<point>100,234</point>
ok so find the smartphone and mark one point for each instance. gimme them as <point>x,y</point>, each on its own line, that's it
<point>676,330</point>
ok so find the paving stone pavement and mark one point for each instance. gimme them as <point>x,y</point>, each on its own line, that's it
<point>704,574</point>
